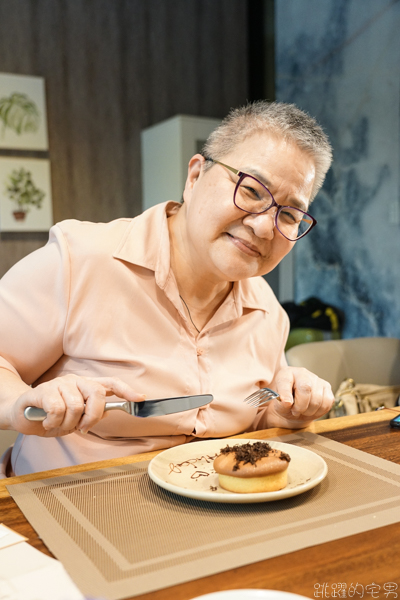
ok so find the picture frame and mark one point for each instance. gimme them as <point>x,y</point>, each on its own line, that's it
<point>25,194</point>
<point>23,118</point>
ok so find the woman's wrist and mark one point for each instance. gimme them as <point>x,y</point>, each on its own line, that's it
<point>11,388</point>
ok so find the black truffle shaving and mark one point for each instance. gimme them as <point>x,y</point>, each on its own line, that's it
<point>251,453</point>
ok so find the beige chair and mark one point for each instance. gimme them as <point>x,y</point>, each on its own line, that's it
<point>366,360</point>
<point>7,438</point>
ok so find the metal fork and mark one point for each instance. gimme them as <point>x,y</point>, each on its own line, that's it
<point>261,397</point>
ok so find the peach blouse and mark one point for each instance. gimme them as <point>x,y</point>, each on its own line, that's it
<point>100,299</point>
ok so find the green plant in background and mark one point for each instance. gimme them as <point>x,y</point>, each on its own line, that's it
<point>20,113</point>
<point>21,189</point>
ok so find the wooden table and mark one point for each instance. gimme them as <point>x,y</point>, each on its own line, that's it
<point>366,558</point>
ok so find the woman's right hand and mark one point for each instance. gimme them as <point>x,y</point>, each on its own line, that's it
<point>71,402</point>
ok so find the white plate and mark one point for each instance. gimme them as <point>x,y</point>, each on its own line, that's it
<point>188,470</point>
<point>250,595</point>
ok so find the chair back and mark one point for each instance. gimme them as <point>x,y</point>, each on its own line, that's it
<point>366,360</point>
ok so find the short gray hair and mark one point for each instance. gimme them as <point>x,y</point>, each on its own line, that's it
<point>285,120</point>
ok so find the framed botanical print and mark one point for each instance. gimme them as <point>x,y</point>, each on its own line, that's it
<point>25,194</point>
<point>23,121</point>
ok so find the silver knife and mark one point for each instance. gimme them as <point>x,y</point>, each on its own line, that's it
<point>148,408</point>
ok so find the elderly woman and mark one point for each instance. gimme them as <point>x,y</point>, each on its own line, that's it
<point>169,303</point>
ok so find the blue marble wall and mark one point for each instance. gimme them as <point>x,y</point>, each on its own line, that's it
<point>340,61</point>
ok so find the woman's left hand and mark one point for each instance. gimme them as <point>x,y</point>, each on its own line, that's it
<point>304,397</point>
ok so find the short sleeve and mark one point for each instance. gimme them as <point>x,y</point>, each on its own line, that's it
<point>34,297</point>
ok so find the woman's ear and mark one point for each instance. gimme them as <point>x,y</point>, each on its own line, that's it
<point>194,170</point>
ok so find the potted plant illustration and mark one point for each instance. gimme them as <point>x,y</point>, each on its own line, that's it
<point>19,113</point>
<point>21,189</point>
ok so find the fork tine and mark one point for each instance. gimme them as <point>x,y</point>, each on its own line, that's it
<point>260,397</point>
<point>252,397</point>
<point>266,400</point>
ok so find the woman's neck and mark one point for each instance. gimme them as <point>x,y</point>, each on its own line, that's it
<point>199,310</point>
<point>201,295</point>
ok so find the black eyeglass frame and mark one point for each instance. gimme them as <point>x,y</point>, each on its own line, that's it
<point>280,207</point>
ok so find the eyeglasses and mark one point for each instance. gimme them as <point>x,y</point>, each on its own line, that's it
<point>253,197</point>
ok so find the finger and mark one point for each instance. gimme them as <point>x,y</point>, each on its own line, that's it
<point>323,406</point>
<point>315,400</point>
<point>116,386</point>
<point>329,397</point>
<point>94,394</point>
<point>327,400</point>
<point>284,386</point>
<point>63,405</point>
<point>303,390</point>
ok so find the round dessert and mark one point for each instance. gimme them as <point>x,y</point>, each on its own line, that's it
<point>251,468</point>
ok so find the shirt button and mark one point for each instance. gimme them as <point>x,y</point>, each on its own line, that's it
<point>199,351</point>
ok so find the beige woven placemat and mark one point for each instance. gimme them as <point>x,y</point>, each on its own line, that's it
<point>119,535</point>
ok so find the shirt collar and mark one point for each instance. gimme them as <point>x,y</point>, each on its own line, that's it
<point>146,241</point>
<point>253,293</point>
